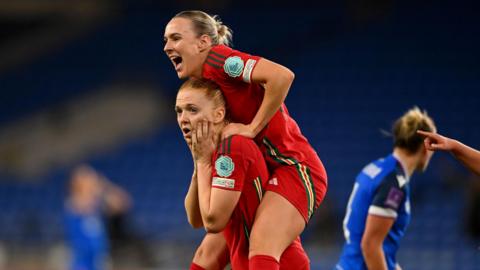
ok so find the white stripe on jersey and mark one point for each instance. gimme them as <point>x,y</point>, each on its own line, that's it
<point>383,212</point>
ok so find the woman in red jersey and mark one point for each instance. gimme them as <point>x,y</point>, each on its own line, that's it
<point>231,174</point>
<point>254,89</point>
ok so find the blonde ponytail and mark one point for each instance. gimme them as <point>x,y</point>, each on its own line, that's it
<point>204,24</point>
<point>405,129</point>
<point>224,32</point>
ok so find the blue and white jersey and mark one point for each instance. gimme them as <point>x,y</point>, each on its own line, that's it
<point>382,189</point>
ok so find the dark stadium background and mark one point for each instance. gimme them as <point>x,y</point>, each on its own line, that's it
<point>88,82</point>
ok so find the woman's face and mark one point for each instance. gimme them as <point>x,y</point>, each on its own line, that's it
<point>183,47</point>
<point>85,183</point>
<point>192,106</point>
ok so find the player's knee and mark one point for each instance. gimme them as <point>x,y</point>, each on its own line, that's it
<point>265,248</point>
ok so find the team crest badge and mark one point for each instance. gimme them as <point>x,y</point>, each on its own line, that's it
<point>224,166</point>
<point>233,66</point>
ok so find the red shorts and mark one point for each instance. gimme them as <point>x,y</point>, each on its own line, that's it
<point>302,183</point>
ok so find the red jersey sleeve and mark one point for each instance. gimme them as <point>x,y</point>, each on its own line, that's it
<point>230,165</point>
<point>224,63</point>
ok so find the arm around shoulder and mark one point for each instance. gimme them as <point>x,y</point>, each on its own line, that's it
<point>272,74</point>
<point>276,79</point>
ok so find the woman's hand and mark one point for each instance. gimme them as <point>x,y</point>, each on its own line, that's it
<point>203,142</point>
<point>434,141</point>
<point>238,129</point>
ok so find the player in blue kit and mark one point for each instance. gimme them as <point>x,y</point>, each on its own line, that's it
<point>90,196</point>
<point>378,210</point>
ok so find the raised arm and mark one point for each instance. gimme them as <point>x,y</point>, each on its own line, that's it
<point>116,199</point>
<point>465,154</point>
<point>276,79</point>
<point>216,205</point>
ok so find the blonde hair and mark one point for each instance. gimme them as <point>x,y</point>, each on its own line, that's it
<point>405,129</point>
<point>204,24</point>
<point>211,89</point>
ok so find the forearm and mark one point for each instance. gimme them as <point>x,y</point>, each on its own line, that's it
<point>192,207</point>
<point>467,155</point>
<point>116,199</point>
<point>204,175</point>
<point>374,257</point>
<point>276,91</point>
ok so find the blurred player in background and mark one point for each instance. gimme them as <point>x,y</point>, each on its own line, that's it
<point>231,174</point>
<point>254,89</point>
<point>90,197</point>
<point>467,155</point>
<point>378,210</point>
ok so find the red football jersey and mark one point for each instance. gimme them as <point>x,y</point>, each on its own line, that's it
<point>281,139</point>
<point>239,166</point>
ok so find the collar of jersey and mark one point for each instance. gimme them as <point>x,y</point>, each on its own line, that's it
<point>402,165</point>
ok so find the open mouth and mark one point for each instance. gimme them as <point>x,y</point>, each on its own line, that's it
<point>186,132</point>
<point>176,60</point>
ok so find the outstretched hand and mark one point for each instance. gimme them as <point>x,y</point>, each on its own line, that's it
<point>203,142</point>
<point>237,129</point>
<point>434,141</point>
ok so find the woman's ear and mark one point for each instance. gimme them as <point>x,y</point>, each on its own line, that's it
<point>219,115</point>
<point>204,42</point>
